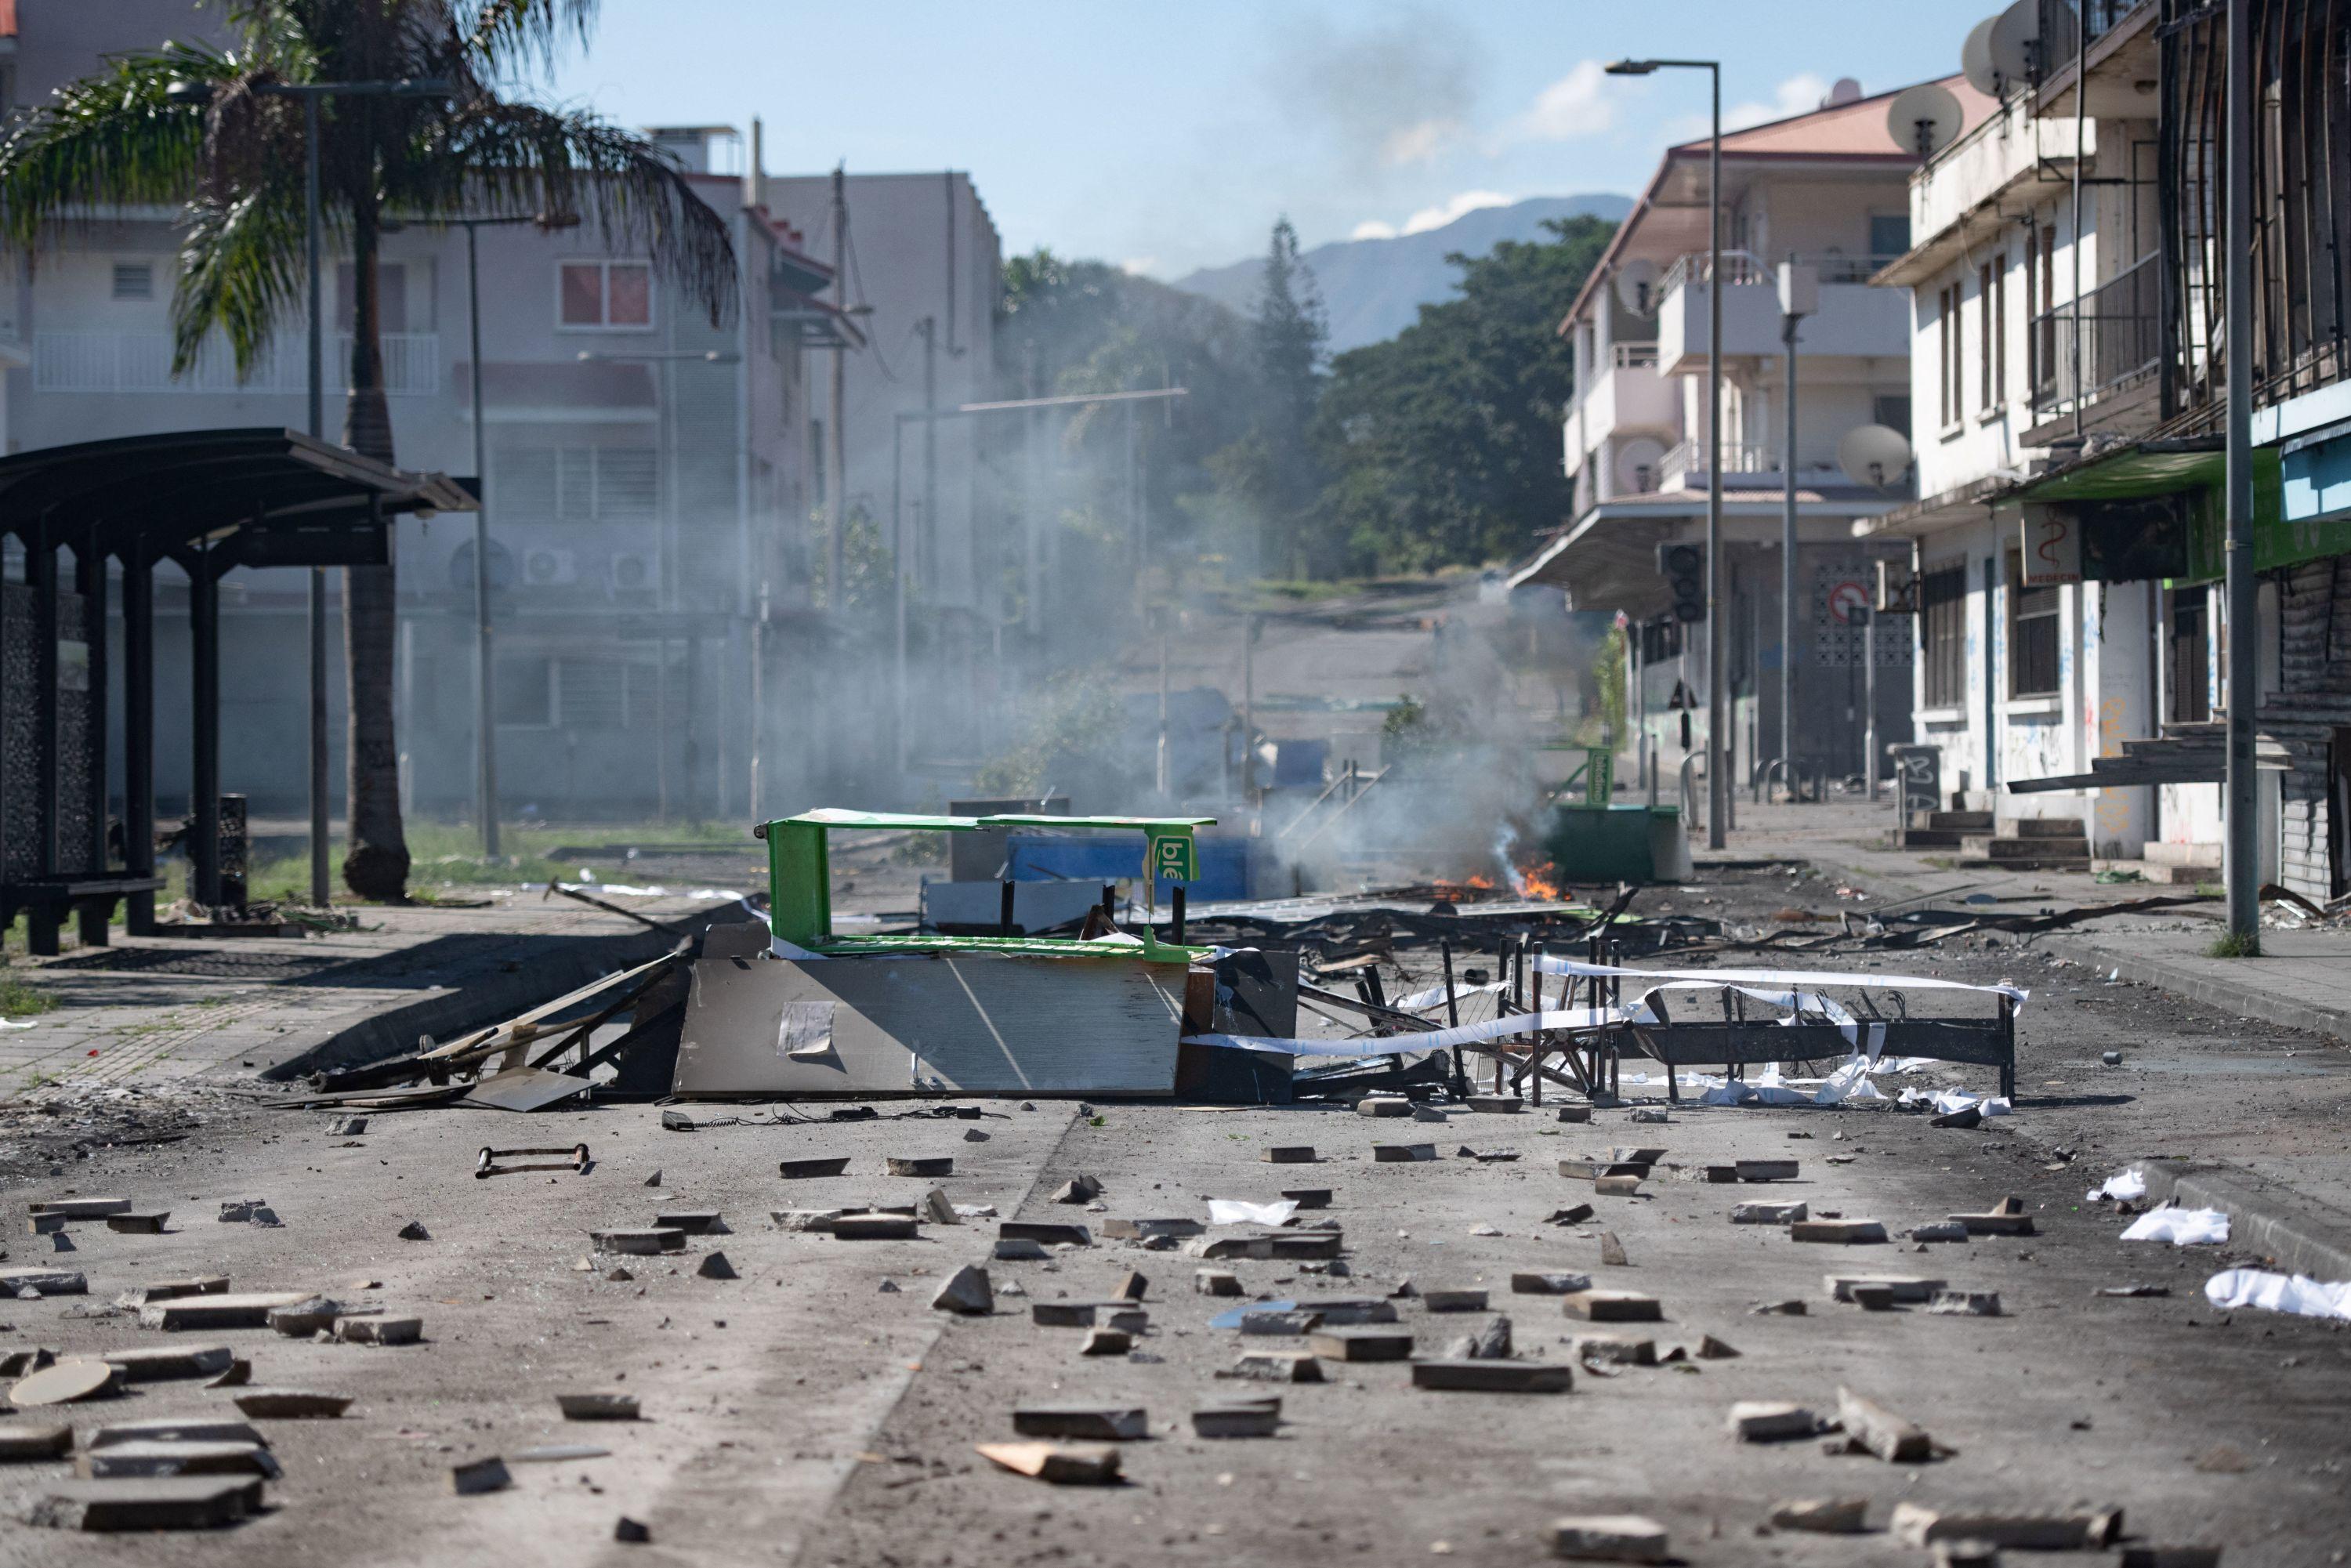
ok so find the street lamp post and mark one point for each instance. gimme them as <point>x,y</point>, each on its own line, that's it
<point>309,94</point>
<point>2241,860</point>
<point>1718,783</point>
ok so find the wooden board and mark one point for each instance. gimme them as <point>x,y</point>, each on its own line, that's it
<point>939,1024</point>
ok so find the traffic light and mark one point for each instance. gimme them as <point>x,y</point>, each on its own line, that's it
<point>1684,568</point>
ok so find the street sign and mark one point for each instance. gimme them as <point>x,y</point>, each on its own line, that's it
<point>1175,857</point>
<point>2051,545</point>
<point>1599,774</point>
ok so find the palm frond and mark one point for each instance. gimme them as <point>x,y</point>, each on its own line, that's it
<point>243,270</point>
<point>109,141</point>
<point>517,159</point>
<point>505,37</point>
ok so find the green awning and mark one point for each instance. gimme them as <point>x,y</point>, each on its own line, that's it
<point>835,817</point>
<point>1135,824</point>
<point>2198,468</point>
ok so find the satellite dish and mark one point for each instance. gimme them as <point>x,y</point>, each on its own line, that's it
<point>1977,64</point>
<point>1845,90</point>
<point>1875,455</point>
<point>1638,463</point>
<point>2012,45</point>
<point>1636,286</point>
<point>1923,118</point>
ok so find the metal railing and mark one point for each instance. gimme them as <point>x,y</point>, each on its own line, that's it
<point>141,362</point>
<point>1634,356</point>
<point>1743,266</point>
<point>2115,335</point>
<point>1688,458</point>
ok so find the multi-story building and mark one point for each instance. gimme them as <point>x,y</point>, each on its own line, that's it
<point>2067,300</point>
<point>1825,190</point>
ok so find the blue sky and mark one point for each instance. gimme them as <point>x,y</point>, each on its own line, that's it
<point>1166,137</point>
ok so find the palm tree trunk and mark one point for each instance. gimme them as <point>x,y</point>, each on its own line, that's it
<point>375,865</point>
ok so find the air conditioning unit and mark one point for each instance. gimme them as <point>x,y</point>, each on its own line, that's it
<point>549,567</point>
<point>636,570</point>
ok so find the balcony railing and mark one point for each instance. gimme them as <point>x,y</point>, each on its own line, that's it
<point>141,362</point>
<point>1686,459</point>
<point>1634,356</point>
<point>2115,336</point>
<point>1742,267</point>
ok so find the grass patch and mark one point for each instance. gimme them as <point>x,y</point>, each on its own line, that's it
<point>2234,945</point>
<point>16,997</point>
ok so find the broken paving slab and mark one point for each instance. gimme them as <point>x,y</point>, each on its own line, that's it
<point>1917,1525</point>
<point>1136,1229</point>
<point>1593,1170</point>
<point>1361,1342</point>
<point>1611,1307</point>
<point>305,1318</point>
<point>177,1429</point>
<point>169,1362</point>
<point>1132,1286</point>
<point>79,1207</point>
<point>24,1362</point>
<point>597,1407</point>
<point>1288,1154</point>
<point>1617,1187</point>
<point>1019,1250</point>
<point>1383,1105</point>
<point>1062,1464</point>
<point>380,1330</point>
<point>1077,1190</point>
<point>638,1243</point>
<point>1237,1418</point>
<point>1349,1311</point>
<point>714,1266</point>
<point>1965,1303</point>
<point>1403,1154</point>
<point>692,1221</point>
<point>1453,1299</point>
<point>1478,1375</point>
<point>1216,1282</point>
<point>1062,1314</point>
<point>1609,1538</point>
<point>1277,1366</point>
<point>806,1170</point>
<point>1107,1342</point>
<point>30,1445</point>
<point>1938,1230</point>
<point>967,1290</point>
<point>1503,1105</point>
<point>1616,1349</point>
<point>1556,1283</point>
<point>66,1383</point>
<point>1283,1244</point>
<point>291,1404</point>
<point>1872,1425</point>
<point>476,1476</point>
<point>160,1503</point>
<point>1822,1516</point>
<point>871,1226</point>
<point>1997,1222</point>
<point>177,1459</point>
<point>923,1165</point>
<point>1044,1232</point>
<point>43,1282</point>
<point>1101,1423</point>
<point>1766,1170</point>
<point>150,1224</point>
<point>173,1290</point>
<point>1767,1213</point>
<point>1843,1232</point>
<point>1905,1288</point>
<point>1308,1196</point>
<point>1770,1421</point>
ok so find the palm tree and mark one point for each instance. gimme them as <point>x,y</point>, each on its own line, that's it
<point>233,157</point>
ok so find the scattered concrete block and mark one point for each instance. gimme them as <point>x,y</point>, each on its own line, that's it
<point>1237,1418</point>
<point>1881,1432</point>
<point>44,1224</point>
<point>1288,1154</point>
<point>2150,1556</point>
<point>28,1445</point>
<point>1965,1117</point>
<point>1770,1421</point>
<point>138,1224</point>
<point>1490,1342</point>
<point>967,1290</point>
<point>304,1318</point>
<point>1575,1112</point>
<point>806,1219</point>
<point>1127,1320</point>
<point>161,1502</point>
<point>79,1207</point>
<point>154,1458</point>
<point>1873,1298</point>
<point>1649,1115</point>
<point>1362,1344</point>
<point>347,1126</point>
<point>1593,1170</point>
<point>1292,1245</point>
<point>1712,1349</point>
<point>414,1231</point>
<point>476,1476</point>
<point>1916,1525</point>
<point>1132,1287</point>
<point>1503,1105</point>
<point>1715,1175</point>
<point>1611,1251</point>
<point>655,1179</point>
<point>1045,1232</point>
<point>242,1211</point>
<point>714,1266</point>
<point>1077,1189</point>
<point>1479,1375</point>
<point>1383,1106</point>
<point>1308,1196</point>
<point>291,1404</point>
<point>1847,1232</point>
<point>1277,1366</point>
<point>1549,1284</point>
<point>1767,1213</point>
<point>171,1361</point>
<point>1107,1342</point>
<point>1996,1223</point>
<point>597,1407</point>
<point>1062,1464</point>
<point>927,1165</point>
<point>1019,1249</point>
<point>67,1382</point>
<point>1938,1230</point>
<point>974,1135</point>
<point>1611,1307</point>
<point>1489,1156</point>
<point>937,1209</point>
<point>1965,1303</point>
<point>632,1533</point>
<point>177,1429</point>
<point>1766,1170</point>
<point>1458,1298</point>
<point>642,1243</point>
<point>795,1170</point>
<point>1609,1538</point>
<point>1617,1187</point>
<point>692,1221</point>
<point>1136,1229</point>
<point>43,1282</point>
<point>1906,1288</point>
<point>1793,1308</point>
<point>874,1227</point>
<point>1615,1349</point>
<point>235,1375</point>
<point>1337,1312</point>
<point>1062,1314</point>
<point>1966,1554</point>
<point>173,1290</point>
<point>1102,1423</point>
<point>1822,1516</point>
<point>380,1330</point>
<point>1403,1154</point>
<point>1216,1282</point>
<point>1573,1214</point>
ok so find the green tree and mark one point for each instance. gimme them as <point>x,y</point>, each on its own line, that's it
<point>231,154</point>
<point>1290,334</point>
<point>1443,443</point>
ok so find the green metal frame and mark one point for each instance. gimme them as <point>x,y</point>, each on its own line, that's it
<point>799,883</point>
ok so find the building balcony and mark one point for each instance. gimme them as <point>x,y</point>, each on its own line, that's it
<point>2110,339</point>
<point>1855,320</point>
<point>1627,394</point>
<point>1748,465</point>
<point>141,362</point>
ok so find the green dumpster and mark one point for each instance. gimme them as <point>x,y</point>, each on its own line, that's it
<point>1617,843</point>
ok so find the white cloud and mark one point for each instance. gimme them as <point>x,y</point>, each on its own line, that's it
<point>1577,104</point>
<point>1139,266</point>
<point>1437,216</point>
<point>1800,94</point>
<point>1420,143</point>
<point>1372,229</point>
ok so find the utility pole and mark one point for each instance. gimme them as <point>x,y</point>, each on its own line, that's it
<point>2244,664</point>
<point>1799,297</point>
<point>837,512</point>
<point>926,542</point>
<point>1249,708</point>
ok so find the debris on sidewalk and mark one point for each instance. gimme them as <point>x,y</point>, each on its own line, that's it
<point>2275,1292</point>
<point>67,1382</point>
<point>290,1404</point>
<point>1770,1421</point>
<point>1609,1538</point>
<point>1062,1464</point>
<point>1112,1423</point>
<point>965,1291</point>
<point>476,1476</point>
<point>2180,1227</point>
<point>1237,1418</point>
<point>1917,1525</point>
<point>1822,1516</point>
<point>1870,1426</point>
<point>597,1407</point>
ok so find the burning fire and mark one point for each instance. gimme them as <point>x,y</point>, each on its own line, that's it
<point>1536,883</point>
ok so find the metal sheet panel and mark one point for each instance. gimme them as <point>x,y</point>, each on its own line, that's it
<point>950,1023</point>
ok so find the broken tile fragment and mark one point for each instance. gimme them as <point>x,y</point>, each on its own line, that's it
<point>1611,1306</point>
<point>1767,1213</point>
<point>169,1362</point>
<point>1609,1538</point>
<point>1101,1423</point>
<point>1237,1418</point>
<point>159,1503</point>
<point>1612,1251</point>
<point>1560,1283</point>
<point>138,1224</point>
<point>1938,1230</point>
<point>597,1407</point>
<point>714,1266</point>
<point>1062,1464</point>
<point>1905,1288</point>
<point>1383,1105</point>
<point>1770,1421</point>
<point>1288,1154</point>
<point>1045,1232</point>
<point>303,1319</point>
<point>1453,1299</point>
<point>1216,1282</point>
<point>640,1243</point>
<point>1107,1342</point>
<point>476,1476</point>
<point>1062,1314</point>
<point>1840,1232</point>
<point>1822,1516</point>
<point>1366,1342</point>
<point>1403,1154</point>
<point>380,1330</point>
<point>924,1166</point>
<point>291,1404</point>
<point>176,1458</point>
<point>966,1291</point>
<point>1888,1435</point>
<point>1615,1349</point>
<point>874,1227</point>
<point>1278,1366</point>
<point>25,1445</point>
<point>1479,1374</point>
<point>795,1170</point>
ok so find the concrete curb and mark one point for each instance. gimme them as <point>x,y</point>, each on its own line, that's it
<point>2264,1216</point>
<point>2243,997</point>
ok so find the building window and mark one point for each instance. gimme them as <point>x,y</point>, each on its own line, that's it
<point>1991,287</point>
<point>576,485</point>
<point>524,690</point>
<point>134,280</point>
<point>2034,616</point>
<point>1953,401</point>
<point>1943,633</point>
<point>592,295</point>
<point>2188,671</point>
<point>2045,324</point>
<point>1889,236</point>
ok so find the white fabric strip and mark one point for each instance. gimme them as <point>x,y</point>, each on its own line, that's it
<point>1551,965</point>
